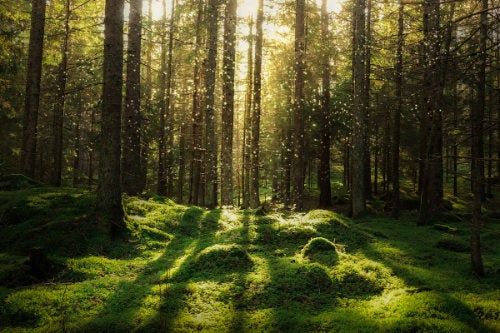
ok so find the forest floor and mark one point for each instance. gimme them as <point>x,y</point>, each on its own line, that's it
<point>186,269</point>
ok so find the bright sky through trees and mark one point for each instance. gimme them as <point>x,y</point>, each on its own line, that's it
<point>245,7</point>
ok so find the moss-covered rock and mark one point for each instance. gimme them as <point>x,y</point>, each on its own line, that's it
<point>321,250</point>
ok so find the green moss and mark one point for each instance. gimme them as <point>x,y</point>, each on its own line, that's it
<point>321,250</point>
<point>185,269</point>
<point>222,257</point>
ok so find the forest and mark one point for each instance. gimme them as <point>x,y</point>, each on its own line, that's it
<point>249,165</point>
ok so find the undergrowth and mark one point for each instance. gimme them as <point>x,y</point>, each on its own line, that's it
<point>186,269</point>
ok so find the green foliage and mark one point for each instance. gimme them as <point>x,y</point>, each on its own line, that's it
<point>187,269</point>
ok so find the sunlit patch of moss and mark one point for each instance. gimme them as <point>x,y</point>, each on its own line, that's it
<point>222,257</point>
<point>92,267</point>
<point>321,250</point>
<point>357,277</point>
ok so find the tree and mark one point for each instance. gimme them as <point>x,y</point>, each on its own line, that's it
<point>195,196</point>
<point>477,146</point>
<point>32,96</point>
<point>60,100</point>
<point>211,64</point>
<point>162,100</point>
<point>131,159</point>
<point>169,107</point>
<point>431,117</point>
<point>228,104</point>
<point>358,193</point>
<point>257,96</point>
<point>247,134</point>
<point>325,197</point>
<point>109,195</point>
<point>299,105</point>
<point>396,131</point>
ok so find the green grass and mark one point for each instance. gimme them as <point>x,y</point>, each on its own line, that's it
<point>187,269</point>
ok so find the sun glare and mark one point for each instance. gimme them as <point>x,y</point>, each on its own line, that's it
<point>246,8</point>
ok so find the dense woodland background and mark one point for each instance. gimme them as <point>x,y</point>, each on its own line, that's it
<point>290,102</point>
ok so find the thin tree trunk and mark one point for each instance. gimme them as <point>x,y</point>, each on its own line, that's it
<point>210,69</point>
<point>257,93</point>
<point>109,196</point>
<point>299,105</point>
<point>131,159</point>
<point>247,134</point>
<point>432,176</point>
<point>148,101</point>
<point>32,96</point>
<point>366,102</point>
<point>162,140</point>
<point>60,101</point>
<point>325,196</point>
<point>228,107</point>
<point>477,167</point>
<point>197,114</point>
<point>169,109</point>
<point>358,193</point>
<point>396,131</point>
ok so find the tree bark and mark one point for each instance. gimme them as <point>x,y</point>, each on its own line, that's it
<point>197,114</point>
<point>60,101</point>
<point>325,189</point>
<point>131,159</point>
<point>366,101</point>
<point>169,108</point>
<point>431,118</point>
<point>477,148</point>
<point>358,193</point>
<point>162,139</point>
<point>396,131</point>
<point>247,133</point>
<point>210,69</point>
<point>109,196</point>
<point>299,107</point>
<point>257,96</point>
<point>32,95</point>
<point>228,107</point>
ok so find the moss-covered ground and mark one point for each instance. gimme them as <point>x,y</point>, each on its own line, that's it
<point>187,269</point>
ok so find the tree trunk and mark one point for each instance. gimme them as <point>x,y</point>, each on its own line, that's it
<point>162,100</point>
<point>396,131</point>
<point>148,101</point>
<point>358,192</point>
<point>169,108</point>
<point>210,69</point>
<point>197,114</point>
<point>247,133</point>
<point>299,105</point>
<point>325,189</point>
<point>477,167</point>
<point>431,128</point>
<point>60,101</point>
<point>32,96</point>
<point>257,93</point>
<point>109,196</point>
<point>228,107</point>
<point>131,159</point>
<point>366,101</point>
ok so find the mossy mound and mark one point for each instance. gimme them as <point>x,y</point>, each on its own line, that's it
<point>297,233</point>
<point>321,250</point>
<point>309,283</point>
<point>222,257</point>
